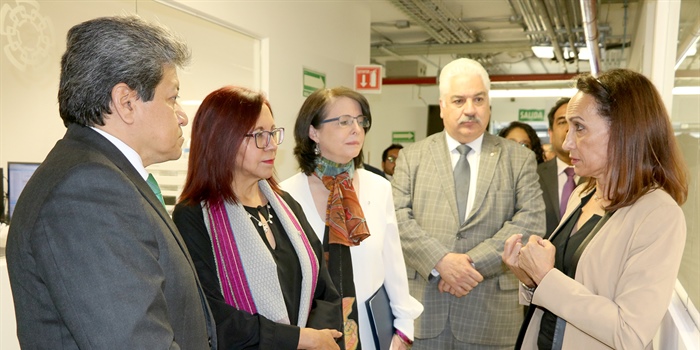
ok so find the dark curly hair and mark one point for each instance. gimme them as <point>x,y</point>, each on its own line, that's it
<point>535,142</point>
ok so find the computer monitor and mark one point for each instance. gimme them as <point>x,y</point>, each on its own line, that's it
<point>2,195</point>
<point>18,174</point>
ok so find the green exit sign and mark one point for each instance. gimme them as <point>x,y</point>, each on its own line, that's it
<point>312,81</point>
<point>531,115</point>
<point>403,136</point>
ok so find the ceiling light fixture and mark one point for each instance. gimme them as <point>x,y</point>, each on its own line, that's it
<point>547,52</point>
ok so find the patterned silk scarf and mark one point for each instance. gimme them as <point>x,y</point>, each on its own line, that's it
<point>247,271</point>
<point>345,227</point>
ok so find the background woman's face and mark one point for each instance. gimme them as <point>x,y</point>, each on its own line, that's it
<point>340,144</point>
<point>587,139</point>
<point>520,136</point>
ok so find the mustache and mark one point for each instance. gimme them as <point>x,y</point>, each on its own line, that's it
<point>468,118</point>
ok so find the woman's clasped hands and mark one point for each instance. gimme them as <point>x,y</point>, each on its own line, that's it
<point>529,262</point>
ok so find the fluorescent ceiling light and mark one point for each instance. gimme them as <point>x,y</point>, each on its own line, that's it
<point>548,52</point>
<point>533,93</point>
<point>686,90</point>
<point>543,51</point>
<point>584,54</point>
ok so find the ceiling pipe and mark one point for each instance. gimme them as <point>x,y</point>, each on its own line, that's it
<point>688,41</point>
<point>493,78</point>
<point>546,21</point>
<point>570,33</point>
<point>449,49</point>
<point>590,28</point>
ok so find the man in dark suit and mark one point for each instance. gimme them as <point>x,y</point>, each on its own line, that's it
<point>452,237</point>
<point>553,173</point>
<point>95,262</point>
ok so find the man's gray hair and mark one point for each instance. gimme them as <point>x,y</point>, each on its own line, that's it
<point>462,66</point>
<point>104,52</point>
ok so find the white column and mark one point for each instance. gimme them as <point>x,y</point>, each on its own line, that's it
<point>658,39</point>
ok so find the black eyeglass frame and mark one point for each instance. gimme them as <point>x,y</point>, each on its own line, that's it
<point>258,138</point>
<point>364,124</point>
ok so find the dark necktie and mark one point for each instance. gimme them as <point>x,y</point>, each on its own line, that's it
<point>569,186</point>
<point>462,177</point>
<point>153,184</point>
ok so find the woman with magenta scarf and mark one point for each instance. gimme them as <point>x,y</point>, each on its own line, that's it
<point>258,259</point>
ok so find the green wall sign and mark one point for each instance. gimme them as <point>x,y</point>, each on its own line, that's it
<point>313,81</point>
<point>403,136</point>
<point>531,115</point>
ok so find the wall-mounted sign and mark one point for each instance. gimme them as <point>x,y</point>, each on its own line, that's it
<point>368,79</point>
<point>531,115</point>
<point>313,81</point>
<point>403,136</point>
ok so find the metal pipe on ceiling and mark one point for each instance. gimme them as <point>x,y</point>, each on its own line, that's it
<point>448,49</point>
<point>590,28</point>
<point>408,7</point>
<point>569,32</point>
<point>493,78</point>
<point>519,11</point>
<point>547,23</point>
<point>534,26</point>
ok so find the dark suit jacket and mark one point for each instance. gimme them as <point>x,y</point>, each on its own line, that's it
<point>95,261</point>
<point>549,182</point>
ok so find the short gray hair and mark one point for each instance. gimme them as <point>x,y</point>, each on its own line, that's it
<point>462,66</point>
<point>106,51</point>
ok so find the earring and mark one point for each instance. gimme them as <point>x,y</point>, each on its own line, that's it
<point>317,151</point>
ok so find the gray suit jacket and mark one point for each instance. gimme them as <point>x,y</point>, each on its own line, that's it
<point>508,201</point>
<point>549,181</point>
<point>95,262</point>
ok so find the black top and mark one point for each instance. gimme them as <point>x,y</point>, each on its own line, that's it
<point>566,241</point>
<point>238,329</point>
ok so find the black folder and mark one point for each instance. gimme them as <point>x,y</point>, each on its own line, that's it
<point>381,318</point>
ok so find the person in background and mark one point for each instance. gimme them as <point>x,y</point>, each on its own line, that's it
<point>352,211</point>
<point>94,260</point>
<point>459,194</point>
<point>604,278</point>
<point>389,157</point>
<point>557,176</point>
<point>526,136</point>
<point>258,258</point>
<point>548,151</point>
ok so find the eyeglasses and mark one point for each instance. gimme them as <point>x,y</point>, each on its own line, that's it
<point>390,159</point>
<point>262,138</point>
<point>525,144</point>
<point>346,120</point>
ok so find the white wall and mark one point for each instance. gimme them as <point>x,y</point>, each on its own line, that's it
<point>330,37</point>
